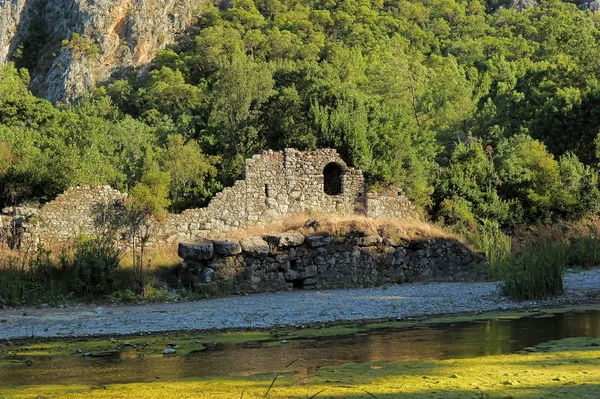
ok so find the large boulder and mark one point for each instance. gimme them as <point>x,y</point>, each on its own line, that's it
<point>199,251</point>
<point>255,246</point>
<point>285,240</point>
<point>227,247</point>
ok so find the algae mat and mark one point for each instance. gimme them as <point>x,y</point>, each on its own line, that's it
<point>568,368</point>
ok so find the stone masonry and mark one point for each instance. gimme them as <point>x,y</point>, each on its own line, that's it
<point>274,186</point>
<point>291,261</point>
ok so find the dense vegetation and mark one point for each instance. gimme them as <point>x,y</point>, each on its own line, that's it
<point>478,112</point>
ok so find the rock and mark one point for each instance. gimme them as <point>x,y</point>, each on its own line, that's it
<point>227,247</point>
<point>285,240</point>
<point>318,241</point>
<point>99,310</point>
<point>207,275</point>
<point>200,251</point>
<point>312,223</point>
<point>368,241</point>
<point>291,275</point>
<point>19,211</point>
<point>255,246</point>
<point>169,351</point>
<point>113,35</point>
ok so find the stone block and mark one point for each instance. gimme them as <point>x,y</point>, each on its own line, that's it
<point>368,241</point>
<point>285,240</point>
<point>310,271</point>
<point>255,246</point>
<point>318,241</point>
<point>227,247</point>
<point>291,275</point>
<point>207,274</point>
<point>199,251</point>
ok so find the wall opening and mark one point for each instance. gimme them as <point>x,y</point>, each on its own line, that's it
<point>267,190</point>
<point>333,174</point>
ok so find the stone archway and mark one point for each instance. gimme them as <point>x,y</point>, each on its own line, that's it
<point>333,174</point>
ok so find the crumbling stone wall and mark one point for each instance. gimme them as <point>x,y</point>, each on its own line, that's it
<point>75,211</point>
<point>274,185</point>
<point>291,261</point>
<point>277,184</point>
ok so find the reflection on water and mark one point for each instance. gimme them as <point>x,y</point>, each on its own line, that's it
<point>460,340</point>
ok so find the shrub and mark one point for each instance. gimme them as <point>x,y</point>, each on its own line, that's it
<point>538,273</point>
<point>95,265</point>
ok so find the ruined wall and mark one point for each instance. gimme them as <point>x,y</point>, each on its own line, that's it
<point>291,261</point>
<point>275,185</point>
<point>75,211</point>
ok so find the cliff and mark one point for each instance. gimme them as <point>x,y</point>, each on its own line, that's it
<point>69,45</point>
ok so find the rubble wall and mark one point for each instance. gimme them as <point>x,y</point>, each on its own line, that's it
<point>274,186</point>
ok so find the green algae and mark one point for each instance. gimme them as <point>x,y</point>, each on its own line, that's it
<point>562,369</point>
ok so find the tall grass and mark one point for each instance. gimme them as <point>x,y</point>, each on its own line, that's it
<point>489,239</point>
<point>538,273</point>
<point>584,250</point>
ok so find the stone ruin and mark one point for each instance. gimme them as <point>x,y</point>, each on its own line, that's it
<point>290,260</point>
<point>274,186</point>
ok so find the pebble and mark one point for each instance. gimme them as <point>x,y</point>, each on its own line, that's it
<point>168,351</point>
<point>294,308</point>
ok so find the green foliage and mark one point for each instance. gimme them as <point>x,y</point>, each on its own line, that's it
<point>528,173</point>
<point>192,174</point>
<point>96,265</point>
<point>538,273</point>
<point>153,188</point>
<point>476,111</point>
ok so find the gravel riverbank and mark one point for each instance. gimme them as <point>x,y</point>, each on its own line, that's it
<point>280,309</point>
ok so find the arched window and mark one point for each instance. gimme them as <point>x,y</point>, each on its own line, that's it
<point>333,173</point>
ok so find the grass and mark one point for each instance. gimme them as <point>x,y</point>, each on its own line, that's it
<point>489,239</point>
<point>338,225</point>
<point>560,369</point>
<point>538,273</point>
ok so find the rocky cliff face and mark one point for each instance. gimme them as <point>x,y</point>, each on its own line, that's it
<point>69,45</point>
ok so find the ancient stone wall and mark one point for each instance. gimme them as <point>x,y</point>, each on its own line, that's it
<point>78,210</point>
<point>275,185</point>
<point>289,260</point>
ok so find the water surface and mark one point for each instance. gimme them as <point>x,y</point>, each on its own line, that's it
<point>446,341</point>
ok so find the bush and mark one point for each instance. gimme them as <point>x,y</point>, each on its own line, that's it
<point>95,266</point>
<point>538,273</point>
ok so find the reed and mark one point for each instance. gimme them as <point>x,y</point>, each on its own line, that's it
<point>538,273</point>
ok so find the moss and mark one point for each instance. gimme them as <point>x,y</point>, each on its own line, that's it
<point>562,369</point>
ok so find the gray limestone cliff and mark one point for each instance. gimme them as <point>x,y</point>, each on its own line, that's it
<point>70,45</point>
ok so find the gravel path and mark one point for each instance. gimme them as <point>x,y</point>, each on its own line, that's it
<point>279,309</point>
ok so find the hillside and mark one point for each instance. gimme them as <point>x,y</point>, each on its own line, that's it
<point>478,110</point>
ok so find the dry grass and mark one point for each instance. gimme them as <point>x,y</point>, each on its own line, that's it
<point>156,256</point>
<point>586,226</point>
<point>340,225</point>
<point>165,255</point>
